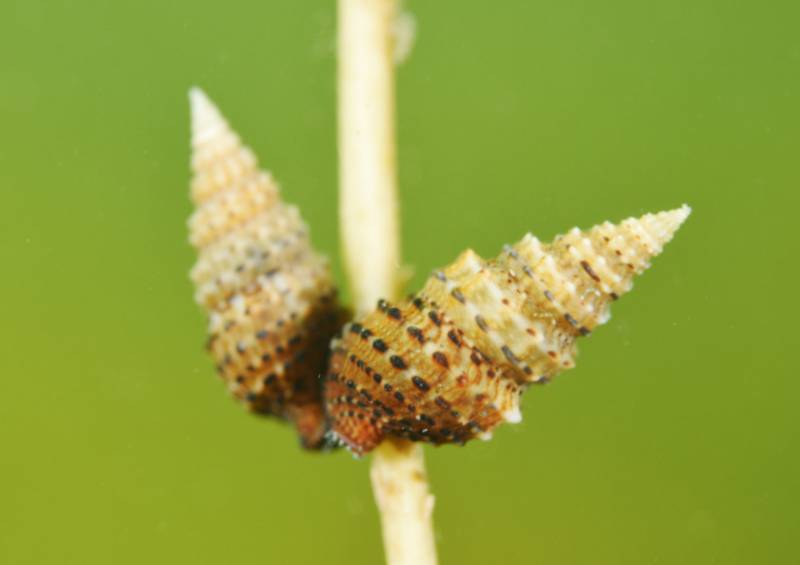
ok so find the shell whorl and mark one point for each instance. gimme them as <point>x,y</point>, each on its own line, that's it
<point>450,363</point>
<point>270,298</point>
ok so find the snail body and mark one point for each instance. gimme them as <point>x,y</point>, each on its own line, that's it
<point>269,296</point>
<point>451,363</point>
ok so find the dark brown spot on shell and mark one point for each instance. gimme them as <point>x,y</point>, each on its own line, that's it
<point>510,355</point>
<point>398,362</point>
<point>453,336</point>
<point>420,383</point>
<point>441,359</point>
<point>589,271</point>
<point>427,419</point>
<point>475,425</point>
<point>416,333</point>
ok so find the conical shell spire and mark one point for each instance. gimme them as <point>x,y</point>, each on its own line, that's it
<point>451,363</point>
<point>207,121</point>
<point>270,297</point>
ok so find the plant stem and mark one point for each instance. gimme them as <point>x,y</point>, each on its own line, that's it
<point>368,177</point>
<point>371,247</point>
<point>404,502</point>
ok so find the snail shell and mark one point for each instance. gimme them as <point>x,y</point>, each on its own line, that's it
<point>450,363</point>
<point>269,296</point>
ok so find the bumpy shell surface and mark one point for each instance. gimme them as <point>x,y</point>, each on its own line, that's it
<point>270,299</point>
<point>451,363</point>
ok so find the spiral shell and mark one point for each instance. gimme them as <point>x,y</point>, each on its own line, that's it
<point>270,299</point>
<point>451,363</point>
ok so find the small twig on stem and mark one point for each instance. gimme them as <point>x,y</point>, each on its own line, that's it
<point>371,246</point>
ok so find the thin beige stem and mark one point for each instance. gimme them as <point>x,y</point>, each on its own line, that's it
<point>404,502</point>
<point>371,246</point>
<point>368,170</point>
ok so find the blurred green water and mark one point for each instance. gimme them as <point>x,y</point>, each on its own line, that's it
<point>674,441</point>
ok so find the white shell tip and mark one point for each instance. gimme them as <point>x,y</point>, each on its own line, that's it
<point>663,225</point>
<point>673,219</point>
<point>680,214</point>
<point>513,416</point>
<point>206,117</point>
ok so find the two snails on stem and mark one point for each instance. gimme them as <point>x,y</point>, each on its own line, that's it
<point>444,366</point>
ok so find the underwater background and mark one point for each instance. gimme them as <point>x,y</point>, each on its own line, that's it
<point>675,440</point>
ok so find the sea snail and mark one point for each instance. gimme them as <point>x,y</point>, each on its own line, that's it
<point>450,363</point>
<point>269,296</point>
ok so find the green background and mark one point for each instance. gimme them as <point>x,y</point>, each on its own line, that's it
<point>674,441</point>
